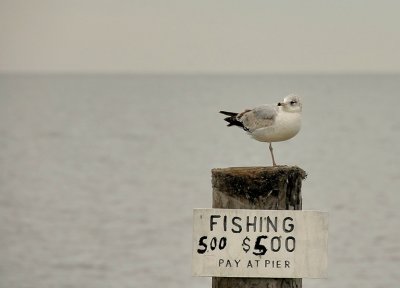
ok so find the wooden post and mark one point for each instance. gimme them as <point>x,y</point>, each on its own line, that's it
<point>266,188</point>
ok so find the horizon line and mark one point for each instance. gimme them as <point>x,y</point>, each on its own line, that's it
<point>195,73</point>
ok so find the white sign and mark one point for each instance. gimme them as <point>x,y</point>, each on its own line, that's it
<point>260,243</point>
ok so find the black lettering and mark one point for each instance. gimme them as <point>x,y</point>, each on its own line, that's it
<point>201,243</point>
<point>228,263</point>
<point>213,243</point>
<point>251,224</point>
<point>289,227</point>
<point>239,227</point>
<point>225,222</point>
<point>293,245</point>
<point>270,223</point>
<point>245,245</point>
<point>258,246</point>
<point>237,262</point>
<point>275,243</point>
<point>212,222</point>
<point>220,262</point>
<point>222,243</point>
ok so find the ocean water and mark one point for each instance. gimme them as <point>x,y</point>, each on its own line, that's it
<point>99,173</point>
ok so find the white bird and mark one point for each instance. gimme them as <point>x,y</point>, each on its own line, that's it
<point>269,122</point>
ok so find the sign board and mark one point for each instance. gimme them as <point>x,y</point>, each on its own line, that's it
<point>260,243</point>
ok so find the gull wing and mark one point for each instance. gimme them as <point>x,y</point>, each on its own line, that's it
<point>259,117</point>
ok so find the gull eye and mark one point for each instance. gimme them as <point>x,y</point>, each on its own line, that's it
<point>293,102</point>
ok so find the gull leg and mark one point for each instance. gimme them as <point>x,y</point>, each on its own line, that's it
<point>272,154</point>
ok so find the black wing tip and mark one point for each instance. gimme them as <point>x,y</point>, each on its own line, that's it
<point>232,121</point>
<point>228,113</point>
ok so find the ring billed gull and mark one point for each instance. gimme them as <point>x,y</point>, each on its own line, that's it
<point>270,122</point>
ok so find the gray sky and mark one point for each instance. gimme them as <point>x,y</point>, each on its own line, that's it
<point>199,36</point>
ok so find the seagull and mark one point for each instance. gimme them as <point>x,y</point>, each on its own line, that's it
<point>270,122</point>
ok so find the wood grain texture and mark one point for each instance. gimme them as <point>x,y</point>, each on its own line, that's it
<point>269,188</point>
<point>221,282</point>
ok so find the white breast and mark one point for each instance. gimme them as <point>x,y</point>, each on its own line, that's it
<point>285,126</point>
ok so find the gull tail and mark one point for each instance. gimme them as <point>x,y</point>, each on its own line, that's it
<point>232,120</point>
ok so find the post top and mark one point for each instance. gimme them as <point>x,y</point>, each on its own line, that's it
<point>251,183</point>
<point>257,171</point>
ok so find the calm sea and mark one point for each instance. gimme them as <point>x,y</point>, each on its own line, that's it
<point>99,173</point>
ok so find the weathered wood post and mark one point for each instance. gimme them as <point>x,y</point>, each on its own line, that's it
<point>268,188</point>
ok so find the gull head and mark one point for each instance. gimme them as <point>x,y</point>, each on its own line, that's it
<point>291,103</point>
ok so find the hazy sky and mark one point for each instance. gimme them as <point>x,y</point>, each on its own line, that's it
<point>200,36</point>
